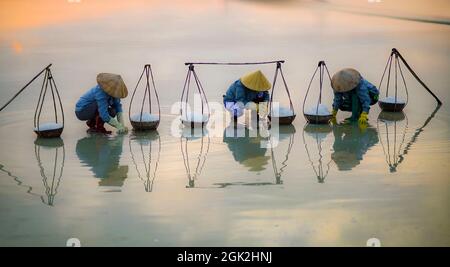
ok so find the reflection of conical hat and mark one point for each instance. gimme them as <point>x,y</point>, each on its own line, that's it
<point>115,178</point>
<point>345,160</point>
<point>112,84</point>
<point>256,164</point>
<point>256,81</point>
<point>345,80</point>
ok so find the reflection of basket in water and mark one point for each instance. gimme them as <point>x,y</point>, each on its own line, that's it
<point>284,131</point>
<point>193,171</point>
<point>319,133</point>
<point>391,116</point>
<point>393,123</point>
<point>318,119</point>
<point>51,183</point>
<point>149,150</point>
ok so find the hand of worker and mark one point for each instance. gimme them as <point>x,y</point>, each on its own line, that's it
<point>363,118</point>
<point>263,108</point>
<point>333,119</point>
<point>120,117</point>
<point>121,129</point>
<point>238,109</point>
<point>335,111</point>
<point>362,127</point>
<point>251,106</point>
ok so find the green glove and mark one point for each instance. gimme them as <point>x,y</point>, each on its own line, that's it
<point>120,117</point>
<point>363,118</point>
<point>121,129</point>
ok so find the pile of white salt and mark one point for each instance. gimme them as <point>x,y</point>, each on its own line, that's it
<point>146,117</point>
<point>48,126</point>
<point>281,112</point>
<point>194,117</point>
<point>392,100</point>
<point>320,110</point>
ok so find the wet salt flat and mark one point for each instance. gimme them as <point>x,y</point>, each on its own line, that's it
<point>329,185</point>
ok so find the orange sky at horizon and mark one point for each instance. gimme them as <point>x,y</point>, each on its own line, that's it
<point>24,14</point>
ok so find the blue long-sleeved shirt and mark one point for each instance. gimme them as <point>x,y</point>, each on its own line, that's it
<point>237,92</point>
<point>362,90</point>
<point>103,102</point>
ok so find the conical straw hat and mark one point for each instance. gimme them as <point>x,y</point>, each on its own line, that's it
<point>112,84</point>
<point>256,81</point>
<point>345,80</point>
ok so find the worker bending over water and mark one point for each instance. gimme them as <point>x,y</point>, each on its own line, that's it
<point>249,92</point>
<point>102,104</point>
<point>353,93</point>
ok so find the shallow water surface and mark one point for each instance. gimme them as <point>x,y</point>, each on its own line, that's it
<point>332,185</point>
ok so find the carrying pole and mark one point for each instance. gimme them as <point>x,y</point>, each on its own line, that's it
<point>23,88</point>
<point>234,63</point>
<point>396,52</point>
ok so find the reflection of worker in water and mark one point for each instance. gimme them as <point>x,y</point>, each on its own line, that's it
<point>102,154</point>
<point>245,149</point>
<point>350,145</point>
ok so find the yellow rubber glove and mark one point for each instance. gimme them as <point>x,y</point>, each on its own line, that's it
<point>121,129</point>
<point>120,117</point>
<point>362,127</point>
<point>334,113</point>
<point>363,118</point>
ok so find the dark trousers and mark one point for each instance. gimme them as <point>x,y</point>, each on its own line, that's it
<point>91,111</point>
<point>353,105</point>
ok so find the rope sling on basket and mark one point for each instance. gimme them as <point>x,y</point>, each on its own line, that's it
<point>318,114</point>
<point>191,118</point>
<point>143,121</point>
<point>47,129</point>
<point>394,103</point>
<point>284,116</point>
